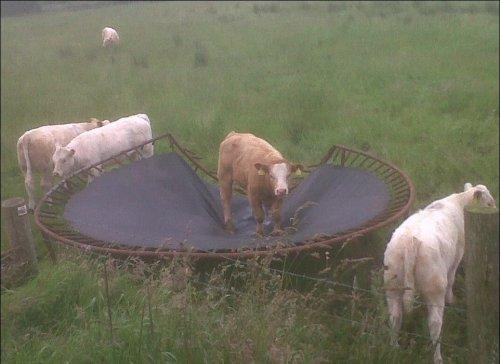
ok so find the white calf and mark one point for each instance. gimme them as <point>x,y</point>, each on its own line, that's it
<point>97,145</point>
<point>36,147</point>
<point>109,37</point>
<point>424,254</point>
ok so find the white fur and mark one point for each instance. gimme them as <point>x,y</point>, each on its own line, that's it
<point>99,144</point>
<point>109,37</point>
<point>424,253</point>
<point>280,172</point>
<point>36,146</point>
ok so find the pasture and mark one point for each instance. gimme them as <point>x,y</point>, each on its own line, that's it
<point>414,83</point>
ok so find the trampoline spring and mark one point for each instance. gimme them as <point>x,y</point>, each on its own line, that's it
<point>363,161</point>
<point>343,157</point>
<point>129,157</point>
<point>72,186</point>
<point>64,195</point>
<point>57,201</point>
<point>393,210</point>
<point>80,178</point>
<point>48,215</point>
<point>334,155</point>
<point>401,188</point>
<point>388,173</point>
<point>400,197</point>
<point>383,167</point>
<point>50,203</point>
<point>401,183</point>
<point>393,178</point>
<point>98,168</point>
<point>353,157</point>
<point>118,161</point>
<point>326,157</point>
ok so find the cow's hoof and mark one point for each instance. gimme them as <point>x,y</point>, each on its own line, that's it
<point>259,233</point>
<point>229,227</point>
<point>278,232</point>
<point>449,299</point>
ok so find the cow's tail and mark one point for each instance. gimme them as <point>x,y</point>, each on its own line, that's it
<point>23,156</point>
<point>411,246</point>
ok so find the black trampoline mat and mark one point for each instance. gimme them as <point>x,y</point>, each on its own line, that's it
<point>162,202</point>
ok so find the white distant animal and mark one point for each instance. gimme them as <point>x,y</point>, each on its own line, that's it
<point>424,254</point>
<point>36,147</point>
<point>99,144</point>
<point>109,37</point>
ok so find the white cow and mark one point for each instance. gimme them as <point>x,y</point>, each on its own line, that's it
<point>424,254</point>
<point>99,144</point>
<point>109,37</point>
<point>36,147</point>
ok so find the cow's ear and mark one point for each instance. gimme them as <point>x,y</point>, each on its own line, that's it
<point>467,186</point>
<point>262,168</point>
<point>71,152</point>
<point>477,194</point>
<point>297,167</point>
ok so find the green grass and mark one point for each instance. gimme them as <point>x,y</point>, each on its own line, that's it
<point>415,84</point>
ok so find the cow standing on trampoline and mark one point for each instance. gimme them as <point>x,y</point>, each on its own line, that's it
<point>260,169</point>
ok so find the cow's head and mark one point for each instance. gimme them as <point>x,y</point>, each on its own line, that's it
<point>64,161</point>
<point>96,123</point>
<point>279,173</point>
<point>481,195</point>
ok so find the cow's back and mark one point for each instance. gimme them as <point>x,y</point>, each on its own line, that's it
<point>240,151</point>
<point>40,143</point>
<point>104,142</point>
<point>246,147</point>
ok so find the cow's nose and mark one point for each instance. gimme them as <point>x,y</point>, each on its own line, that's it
<point>55,174</point>
<point>281,192</point>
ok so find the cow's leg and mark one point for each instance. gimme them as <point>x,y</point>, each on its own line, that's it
<point>226,194</point>
<point>29,183</point>
<point>147,151</point>
<point>93,173</point>
<point>435,308</point>
<point>451,277</point>
<point>276,212</point>
<point>258,212</point>
<point>46,182</point>
<point>395,305</point>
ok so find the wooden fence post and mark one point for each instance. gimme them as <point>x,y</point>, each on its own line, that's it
<point>17,224</point>
<point>481,279</point>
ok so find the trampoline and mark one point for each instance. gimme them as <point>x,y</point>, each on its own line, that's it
<point>169,205</point>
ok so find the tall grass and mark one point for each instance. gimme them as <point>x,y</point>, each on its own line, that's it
<point>414,83</point>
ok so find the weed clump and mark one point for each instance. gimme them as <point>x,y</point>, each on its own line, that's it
<point>271,7</point>
<point>200,55</point>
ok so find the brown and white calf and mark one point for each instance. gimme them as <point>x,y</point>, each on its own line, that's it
<point>424,254</point>
<point>259,168</point>
<point>109,37</point>
<point>36,147</point>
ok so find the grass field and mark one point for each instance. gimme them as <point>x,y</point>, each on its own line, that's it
<point>413,83</point>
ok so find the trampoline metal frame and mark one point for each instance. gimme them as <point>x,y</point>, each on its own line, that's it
<point>49,211</point>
